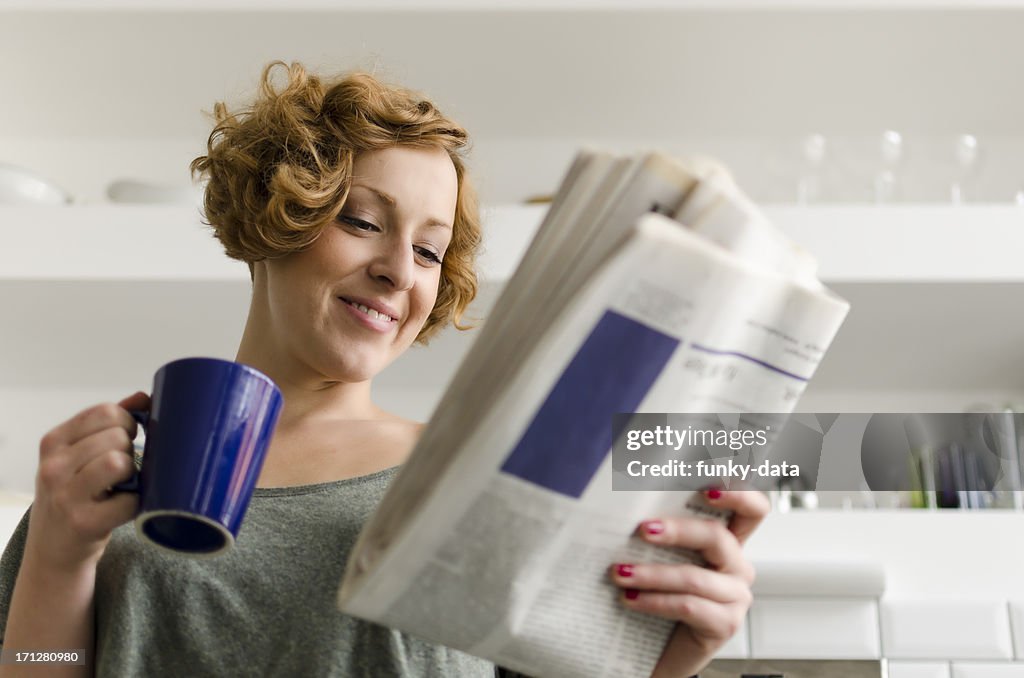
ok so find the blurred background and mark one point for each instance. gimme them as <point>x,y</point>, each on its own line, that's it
<point>886,137</point>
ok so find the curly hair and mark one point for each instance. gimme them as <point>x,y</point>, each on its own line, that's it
<point>279,171</point>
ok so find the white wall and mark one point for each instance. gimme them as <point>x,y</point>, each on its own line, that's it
<point>27,415</point>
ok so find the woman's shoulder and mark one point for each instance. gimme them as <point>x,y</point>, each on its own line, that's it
<point>399,426</point>
<point>389,436</point>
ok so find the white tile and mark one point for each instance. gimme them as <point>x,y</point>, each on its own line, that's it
<point>946,629</point>
<point>988,670</point>
<point>902,669</point>
<point>738,646</point>
<point>1017,622</point>
<point>814,628</point>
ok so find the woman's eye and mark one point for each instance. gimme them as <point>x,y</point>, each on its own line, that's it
<point>357,223</point>
<point>428,254</point>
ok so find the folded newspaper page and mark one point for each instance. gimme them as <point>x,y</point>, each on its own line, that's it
<point>651,286</point>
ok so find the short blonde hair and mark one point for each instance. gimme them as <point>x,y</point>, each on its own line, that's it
<point>279,170</point>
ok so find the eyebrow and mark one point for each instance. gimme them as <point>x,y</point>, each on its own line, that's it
<point>391,202</point>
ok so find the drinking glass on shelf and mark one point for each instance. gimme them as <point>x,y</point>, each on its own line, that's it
<point>886,185</point>
<point>813,149</point>
<point>967,155</point>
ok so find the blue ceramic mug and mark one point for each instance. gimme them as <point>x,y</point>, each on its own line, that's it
<point>207,433</point>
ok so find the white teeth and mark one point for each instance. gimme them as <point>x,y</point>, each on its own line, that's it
<point>372,313</point>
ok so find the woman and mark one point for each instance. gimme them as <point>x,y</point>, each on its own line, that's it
<point>350,203</point>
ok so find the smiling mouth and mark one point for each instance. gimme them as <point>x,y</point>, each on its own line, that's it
<point>368,311</point>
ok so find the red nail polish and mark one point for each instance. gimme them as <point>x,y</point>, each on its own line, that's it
<point>714,493</point>
<point>624,570</point>
<point>632,594</point>
<point>653,527</point>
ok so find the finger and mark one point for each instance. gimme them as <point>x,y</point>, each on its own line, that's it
<point>709,538</point>
<point>705,617</point>
<point>85,423</point>
<point>94,480</point>
<point>136,401</point>
<point>684,578</point>
<point>98,444</point>
<point>94,511</point>
<point>60,464</point>
<point>749,508</point>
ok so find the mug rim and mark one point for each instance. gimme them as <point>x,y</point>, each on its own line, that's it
<point>221,361</point>
<point>229,539</point>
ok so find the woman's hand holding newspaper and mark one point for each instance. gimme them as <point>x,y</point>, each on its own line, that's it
<point>709,602</point>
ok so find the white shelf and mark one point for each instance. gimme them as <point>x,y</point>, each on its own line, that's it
<point>853,243</point>
<point>108,242</point>
<point>909,243</point>
<point>99,295</point>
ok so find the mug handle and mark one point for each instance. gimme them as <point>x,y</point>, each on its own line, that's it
<point>132,484</point>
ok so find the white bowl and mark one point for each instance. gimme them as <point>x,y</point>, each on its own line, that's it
<point>19,186</point>
<point>131,191</point>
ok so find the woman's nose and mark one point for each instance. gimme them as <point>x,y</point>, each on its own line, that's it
<point>394,266</point>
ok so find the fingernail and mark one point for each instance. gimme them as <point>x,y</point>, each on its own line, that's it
<point>653,527</point>
<point>624,570</point>
<point>632,594</point>
<point>714,493</point>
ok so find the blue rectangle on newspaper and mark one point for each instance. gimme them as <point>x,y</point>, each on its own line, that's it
<point>571,433</point>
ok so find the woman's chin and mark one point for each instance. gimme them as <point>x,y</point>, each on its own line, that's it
<point>354,369</point>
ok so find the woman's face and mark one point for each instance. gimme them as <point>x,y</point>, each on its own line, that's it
<point>358,297</point>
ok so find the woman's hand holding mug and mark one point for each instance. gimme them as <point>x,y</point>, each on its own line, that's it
<point>74,513</point>
<point>209,424</point>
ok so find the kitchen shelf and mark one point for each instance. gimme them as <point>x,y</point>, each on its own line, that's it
<point>100,294</point>
<point>853,243</point>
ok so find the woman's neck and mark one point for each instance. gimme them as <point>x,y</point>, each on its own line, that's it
<point>310,398</point>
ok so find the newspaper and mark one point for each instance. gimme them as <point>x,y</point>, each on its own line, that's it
<point>651,286</point>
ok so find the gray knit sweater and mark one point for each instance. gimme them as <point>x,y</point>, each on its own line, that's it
<point>266,608</point>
